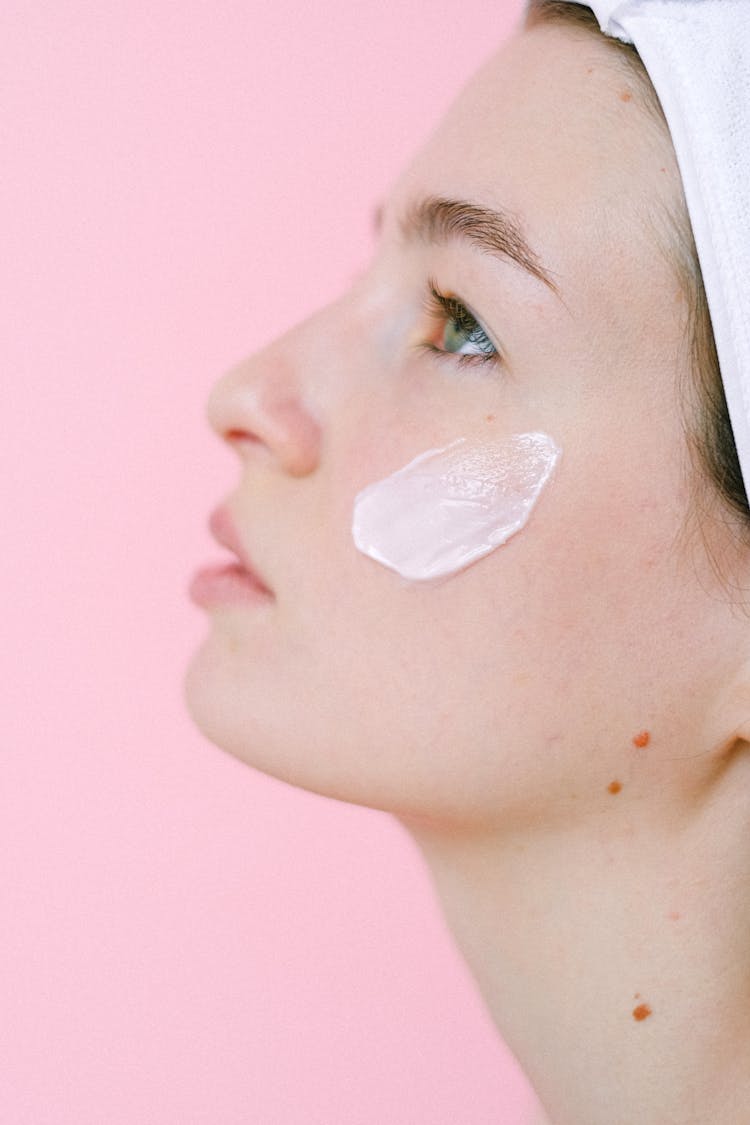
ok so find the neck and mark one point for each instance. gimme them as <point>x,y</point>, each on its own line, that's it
<point>614,955</point>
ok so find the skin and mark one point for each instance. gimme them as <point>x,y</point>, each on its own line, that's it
<point>490,714</point>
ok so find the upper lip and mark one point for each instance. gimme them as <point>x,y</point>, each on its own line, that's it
<point>221,526</point>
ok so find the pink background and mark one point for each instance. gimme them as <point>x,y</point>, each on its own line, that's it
<point>183,939</point>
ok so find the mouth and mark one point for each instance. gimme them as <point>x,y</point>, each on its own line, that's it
<point>222,528</point>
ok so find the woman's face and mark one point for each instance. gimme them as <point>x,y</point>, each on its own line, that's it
<point>512,690</point>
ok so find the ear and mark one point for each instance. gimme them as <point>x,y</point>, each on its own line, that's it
<point>733,710</point>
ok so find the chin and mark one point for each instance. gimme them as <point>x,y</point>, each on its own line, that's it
<point>207,699</point>
<point>261,732</point>
<point>281,734</point>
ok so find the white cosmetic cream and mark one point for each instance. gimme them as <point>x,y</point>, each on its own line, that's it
<point>450,506</point>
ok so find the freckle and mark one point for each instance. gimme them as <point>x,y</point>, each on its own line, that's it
<point>589,70</point>
<point>642,739</point>
<point>490,418</point>
<point>637,996</point>
<point>626,96</point>
<point>642,1012</point>
<point>614,787</point>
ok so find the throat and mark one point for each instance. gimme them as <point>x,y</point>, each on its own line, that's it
<point>595,962</point>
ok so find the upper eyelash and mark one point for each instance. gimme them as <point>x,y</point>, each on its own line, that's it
<point>439,306</point>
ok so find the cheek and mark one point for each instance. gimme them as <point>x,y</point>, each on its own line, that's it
<point>450,506</point>
<point>501,681</point>
<point>423,681</point>
<point>605,590</point>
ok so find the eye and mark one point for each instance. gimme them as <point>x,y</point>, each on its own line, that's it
<point>458,334</point>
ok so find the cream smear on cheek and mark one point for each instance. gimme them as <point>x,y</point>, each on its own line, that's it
<point>452,505</point>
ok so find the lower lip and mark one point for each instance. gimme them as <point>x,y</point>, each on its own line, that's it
<point>226,585</point>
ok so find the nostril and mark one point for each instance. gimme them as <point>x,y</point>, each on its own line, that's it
<point>241,435</point>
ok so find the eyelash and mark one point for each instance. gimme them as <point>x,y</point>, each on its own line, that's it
<point>440,307</point>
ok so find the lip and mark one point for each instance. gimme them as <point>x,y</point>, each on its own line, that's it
<point>221,525</point>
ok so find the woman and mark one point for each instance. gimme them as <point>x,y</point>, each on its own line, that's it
<point>500,541</point>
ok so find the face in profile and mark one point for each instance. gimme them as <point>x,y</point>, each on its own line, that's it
<point>517,288</point>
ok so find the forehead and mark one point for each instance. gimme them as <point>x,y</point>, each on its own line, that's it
<point>552,129</point>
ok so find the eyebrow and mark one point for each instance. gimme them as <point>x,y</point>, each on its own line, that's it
<point>435,219</point>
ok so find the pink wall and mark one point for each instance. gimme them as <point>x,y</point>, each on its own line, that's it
<point>183,939</point>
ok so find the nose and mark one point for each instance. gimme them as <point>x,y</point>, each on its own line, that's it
<point>260,410</point>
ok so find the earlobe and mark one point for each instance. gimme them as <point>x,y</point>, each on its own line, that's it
<point>734,711</point>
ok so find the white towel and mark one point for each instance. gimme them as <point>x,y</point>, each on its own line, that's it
<point>697,54</point>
